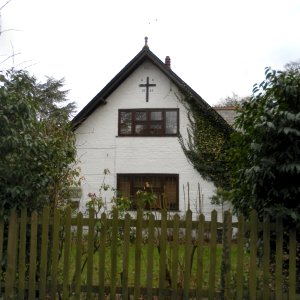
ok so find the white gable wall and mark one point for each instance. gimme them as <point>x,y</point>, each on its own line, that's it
<point>99,146</point>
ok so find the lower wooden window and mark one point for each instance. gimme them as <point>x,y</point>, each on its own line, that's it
<point>163,187</point>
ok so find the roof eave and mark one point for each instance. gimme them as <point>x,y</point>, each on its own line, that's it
<point>145,53</point>
<point>100,98</point>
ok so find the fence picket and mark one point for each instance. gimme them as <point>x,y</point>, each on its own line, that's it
<point>240,258</point>
<point>55,249</point>
<point>44,253</point>
<point>292,264</point>
<point>150,251</point>
<point>278,259</point>
<point>1,246</point>
<point>175,257</point>
<point>162,255</point>
<point>11,256</point>
<point>200,251</point>
<point>266,259</point>
<point>187,257</point>
<point>253,255</point>
<point>33,257</point>
<point>138,255</point>
<point>78,257</point>
<point>22,253</point>
<point>114,254</point>
<point>226,257</point>
<point>102,252</point>
<point>17,239</point>
<point>124,279</point>
<point>213,255</point>
<point>90,254</point>
<point>67,246</point>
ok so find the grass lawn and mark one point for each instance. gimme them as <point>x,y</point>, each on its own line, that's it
<point>156,258</point>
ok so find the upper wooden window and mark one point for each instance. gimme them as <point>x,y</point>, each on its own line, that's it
<point>149,122</point>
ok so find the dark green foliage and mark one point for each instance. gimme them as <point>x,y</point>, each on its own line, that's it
<point>265,156</point>
<point>37,144</point>
<point>207,144</point>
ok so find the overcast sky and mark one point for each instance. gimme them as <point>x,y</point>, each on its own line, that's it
<point>217,47</point>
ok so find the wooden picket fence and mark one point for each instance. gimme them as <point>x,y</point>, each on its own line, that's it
<point>62,256</point>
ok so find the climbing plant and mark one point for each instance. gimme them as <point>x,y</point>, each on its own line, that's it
<point>207,142</point>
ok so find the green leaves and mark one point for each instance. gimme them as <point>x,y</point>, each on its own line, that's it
<point>37,147</point>
<point>207,144</point>
<point>265,153</point>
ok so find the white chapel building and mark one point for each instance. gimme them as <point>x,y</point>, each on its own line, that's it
<point>131,128</point>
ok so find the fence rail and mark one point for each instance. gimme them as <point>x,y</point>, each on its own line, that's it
<point>144,257</point>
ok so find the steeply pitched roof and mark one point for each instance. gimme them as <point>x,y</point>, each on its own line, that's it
<point>144,55</point>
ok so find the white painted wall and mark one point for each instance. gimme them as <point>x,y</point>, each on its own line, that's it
<point>99,146</point>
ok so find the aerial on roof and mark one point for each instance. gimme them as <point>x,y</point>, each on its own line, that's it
<point>141,57</point>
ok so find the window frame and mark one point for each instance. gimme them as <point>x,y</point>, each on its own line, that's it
<point>163,177</point>
<point>148,122</point>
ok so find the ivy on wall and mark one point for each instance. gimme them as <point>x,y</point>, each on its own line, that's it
<point>207,143</point>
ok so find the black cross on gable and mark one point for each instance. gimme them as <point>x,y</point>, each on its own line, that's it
<point>147,85</point>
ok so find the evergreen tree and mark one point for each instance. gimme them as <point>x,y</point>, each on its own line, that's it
<point>37,144</point>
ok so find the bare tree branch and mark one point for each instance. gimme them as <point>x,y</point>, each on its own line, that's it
<point>4,4</point>
<point>10,29</point>
<point>7,58</point>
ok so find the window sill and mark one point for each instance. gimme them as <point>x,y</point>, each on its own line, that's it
<point>147,136</point>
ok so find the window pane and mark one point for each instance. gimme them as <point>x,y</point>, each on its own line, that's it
<point>140,129</point>
<point>170,192</point>
<point>124,186</point>
<point>155,182</point>
<point>125,122</point>
<point>140,116</point>
<point>155,129</point>
<point>139,182</point>
<point>156,116</point>
<point>171,122</point>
